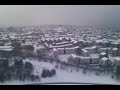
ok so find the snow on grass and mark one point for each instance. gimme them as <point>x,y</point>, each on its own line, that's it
<point>64,57</point>
<point>39,65</point>
<point>79,77</point>
<point>64,75</point>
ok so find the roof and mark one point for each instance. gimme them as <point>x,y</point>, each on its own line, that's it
<point>115,49</point>
<point>117,58</point>
<point>114,42</point>
<point>77,47</point>
<point>104,58</point>
<point>54,49</point>
<point>40,47</point>
<point>64,42</point>
<point>6,48</point>
<point>102,53</point>
<point>94,55</point>
<point>67,48</point>
<point>60,46</point>
<point>85,57</point>
<point>77,56</point>
<point>74,55</point>
<point>75,42</point>
<point>93,47</point>
<point>84,50</point>
<point>103,48</point>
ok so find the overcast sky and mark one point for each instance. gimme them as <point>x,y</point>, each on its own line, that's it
<point>59,14</point>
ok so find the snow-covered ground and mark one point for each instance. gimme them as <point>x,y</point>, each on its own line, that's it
<point>64,58</point>
<point>64,75</point>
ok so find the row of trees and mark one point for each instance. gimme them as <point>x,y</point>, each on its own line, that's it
<point>48,73</point>
<point>18,71</point>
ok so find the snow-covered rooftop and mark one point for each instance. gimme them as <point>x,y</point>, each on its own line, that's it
<point>60,46</point>
<point>75,42</point>
<point>103,48</point>
<point>104,58</point>
<point>84,50</point>
<point>77,56</point>
<point>115,49</point>
<point>64,42</point>
<point>93,47</point>
<point>6,48</point>
<point>117,58</point>
<point>54,49</point>
<point>40,46</point>
<point>114,42</point>
<point>94,55</point>
<point>102,53</point>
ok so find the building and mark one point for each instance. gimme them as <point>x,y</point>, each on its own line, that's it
<point>80,59</point>
<point>5,51</point>
<point>102,50</point>
<point>104,61</point>
<point>94,58</point>
<point>115,44</point>
<point>84,60</point>
<point>103,54</point>
<point>84,52</point>
<point>55,53</point>
<point>116,61</point>
<point>71,50</point>
<point>114,51</point>
<point>91,50</point>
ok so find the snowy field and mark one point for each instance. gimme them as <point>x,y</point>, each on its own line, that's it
<point>64,75</point>
<point>64,58</point>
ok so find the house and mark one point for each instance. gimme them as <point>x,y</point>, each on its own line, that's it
<point>94,58</point>
<point>104,61</point>
<point>114,51</point>
<point>115,44</point>
<point>85,43</point>
<point>102,50</point>
<point>116,61</point>
<point>74,59</point>
<point>55,53</point>
<point>70,50</point>
<point>84,60</point>
<point>103,54</point>
<point>105,43</point>
<point>91,50</point>
<point>27,49</point>
<point>84,52</point>
<point>5,50</point>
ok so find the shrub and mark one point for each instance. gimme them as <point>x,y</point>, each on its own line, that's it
<point>44,73</point>
<point>53,71</point>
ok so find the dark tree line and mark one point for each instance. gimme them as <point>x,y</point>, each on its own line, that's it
<point>18,71</point>
<point>48,73</point>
